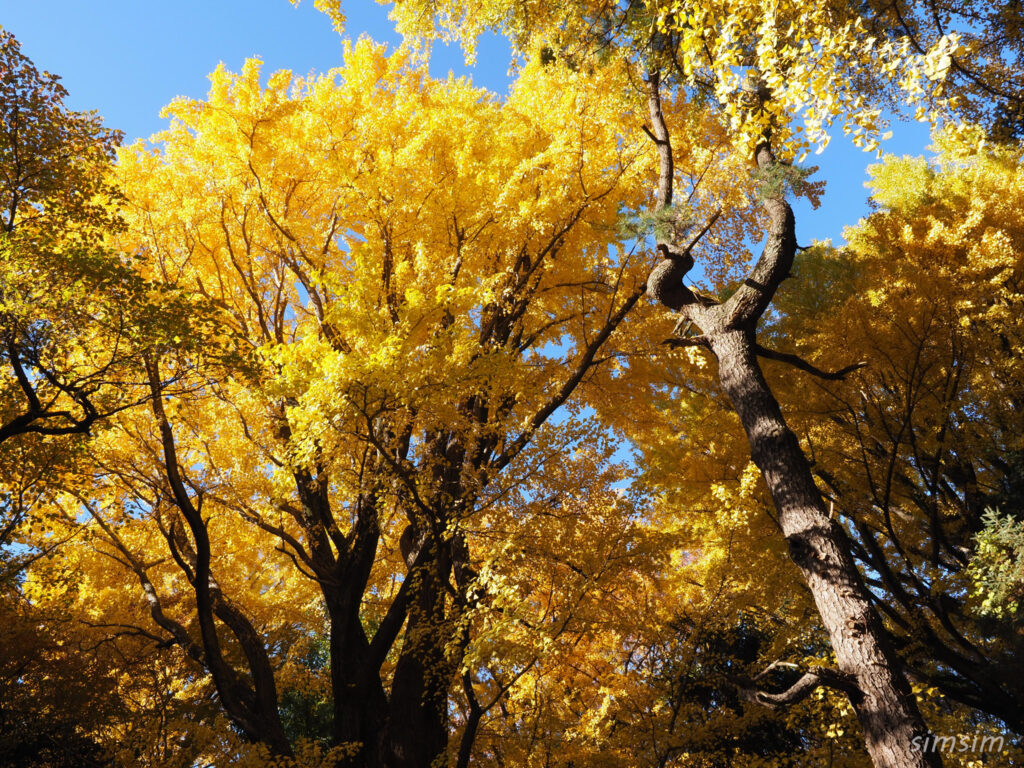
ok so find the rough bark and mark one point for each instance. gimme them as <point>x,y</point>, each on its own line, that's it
<point>417,729</point>
<point>360,703</point>
<point>881,698</point>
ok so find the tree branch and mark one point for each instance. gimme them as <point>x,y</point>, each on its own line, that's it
<point>809,682</point>
<point>745,307</point>
<point>568,387</point>
<point>798,362</point>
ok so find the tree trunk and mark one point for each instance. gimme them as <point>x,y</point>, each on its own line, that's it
<point>877,688</point>
<point>883,700</point>
<point>417,728</point>
<point>360,704</point>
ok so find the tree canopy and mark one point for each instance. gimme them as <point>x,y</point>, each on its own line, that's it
<point>370,419</point>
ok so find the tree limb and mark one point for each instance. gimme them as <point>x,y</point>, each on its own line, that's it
<point>809,682</point>
<point>798,362</point>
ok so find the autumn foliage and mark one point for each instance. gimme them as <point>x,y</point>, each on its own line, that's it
<point>366,419</point>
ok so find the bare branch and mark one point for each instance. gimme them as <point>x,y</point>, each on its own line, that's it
<point>809,682</point>
<point>798,362</point>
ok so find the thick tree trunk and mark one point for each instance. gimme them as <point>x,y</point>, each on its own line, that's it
<point>883,700</point>
<point>360,704</point>
<point>878,689</point>
<point>417,728</point>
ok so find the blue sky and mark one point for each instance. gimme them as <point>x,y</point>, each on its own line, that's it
<point>129,58</point>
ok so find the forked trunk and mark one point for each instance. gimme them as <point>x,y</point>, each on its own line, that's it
<point>870,671</point>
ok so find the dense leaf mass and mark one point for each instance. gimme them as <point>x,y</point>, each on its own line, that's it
<point>378,421</point>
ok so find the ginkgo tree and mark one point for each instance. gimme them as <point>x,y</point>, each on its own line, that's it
<point>253,517</point>
<point>363,509</point>
<point>55,198</point>
<point>76,318</point>
<point>777,75</point>
<point>75,315</point>
<point>68,304</point>
<point>417,277</point>
<point>921,442</point>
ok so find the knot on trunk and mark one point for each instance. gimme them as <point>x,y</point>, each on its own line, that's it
<point>801,552</point>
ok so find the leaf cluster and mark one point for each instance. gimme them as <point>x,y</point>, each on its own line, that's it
<point>779,180</point>
<point>997,568</point>
<point>666,224</point>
